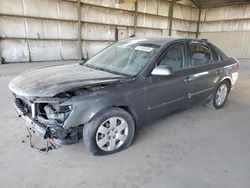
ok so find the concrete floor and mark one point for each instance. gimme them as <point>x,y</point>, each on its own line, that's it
<point>197,148</point>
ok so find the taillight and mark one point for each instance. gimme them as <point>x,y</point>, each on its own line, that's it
<point>237,63</point>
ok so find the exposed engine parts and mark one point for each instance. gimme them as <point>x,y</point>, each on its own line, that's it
<point>52,114</point>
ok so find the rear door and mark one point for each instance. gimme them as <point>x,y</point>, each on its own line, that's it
<point>164,94</point>
<point>206,71</point>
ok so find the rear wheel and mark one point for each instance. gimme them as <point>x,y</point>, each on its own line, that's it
<point>219,96</point>
<point>110,132</point>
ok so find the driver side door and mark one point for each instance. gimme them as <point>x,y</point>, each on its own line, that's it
<point>166,94</point>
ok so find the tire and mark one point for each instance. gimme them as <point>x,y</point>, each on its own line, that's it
<point>219,96</point>
<point>110,132</point>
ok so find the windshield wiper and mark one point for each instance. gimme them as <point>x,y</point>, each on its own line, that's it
<point>97,68</point>
<point>83,61</point>
<point>106,70</point>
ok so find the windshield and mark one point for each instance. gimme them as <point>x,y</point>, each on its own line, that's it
<point>125,58</point>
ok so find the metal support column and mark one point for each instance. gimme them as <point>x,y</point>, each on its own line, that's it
<point>135,17</point>
<point>198,24</point>
<point>79,29</point>
<point>170,16</point>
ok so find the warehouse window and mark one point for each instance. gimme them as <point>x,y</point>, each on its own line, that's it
<point>200,54</point>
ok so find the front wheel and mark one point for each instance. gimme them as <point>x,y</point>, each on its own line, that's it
<point>109,132</point>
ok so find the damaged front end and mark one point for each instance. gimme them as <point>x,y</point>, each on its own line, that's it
<point>45,117</point>
<point>53,115</point>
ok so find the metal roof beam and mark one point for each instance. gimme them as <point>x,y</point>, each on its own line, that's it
<point>196,3</point>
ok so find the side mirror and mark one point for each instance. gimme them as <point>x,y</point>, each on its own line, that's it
<point>161,71</point>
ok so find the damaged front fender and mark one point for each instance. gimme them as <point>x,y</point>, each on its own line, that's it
<point>85,108</point>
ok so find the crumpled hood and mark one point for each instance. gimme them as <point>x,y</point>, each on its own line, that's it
<point>49,81</point>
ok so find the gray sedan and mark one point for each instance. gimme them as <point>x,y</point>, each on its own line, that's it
<point>107,97</point>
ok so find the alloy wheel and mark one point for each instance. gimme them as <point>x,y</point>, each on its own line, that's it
<point>221,94</point>
<point>112,133</point>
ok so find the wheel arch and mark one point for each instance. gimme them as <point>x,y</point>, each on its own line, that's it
<point>228,80</point>
<point>130,111</point>
<point>121,106</point>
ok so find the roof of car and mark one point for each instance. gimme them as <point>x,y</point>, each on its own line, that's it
<point>158,40</point>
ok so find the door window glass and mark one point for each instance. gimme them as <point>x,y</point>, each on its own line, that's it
<point>200,54</point>
<point>174,58</point>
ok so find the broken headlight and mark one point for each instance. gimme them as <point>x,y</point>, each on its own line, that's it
<point>57,112</point>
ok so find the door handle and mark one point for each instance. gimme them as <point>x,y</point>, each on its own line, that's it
<point>188,79</point>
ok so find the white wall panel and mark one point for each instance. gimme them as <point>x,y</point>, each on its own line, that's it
<point>14,50</point>
<point>229,28</point>
<point>42,28</point>
<point>185,12</point>
<point>226,12</point>
<point>34,28</point>
<point>233,25</point>
<point>184,25</point>
<point>67,10</point>
<point>69,49</point>
<point>163,8</point>
<point>91,48</point>
<point>44,50</point>
<point>11,6</point>
<point>41,8</point>
<point>68,30</point>
<point>8,23</point>
<point>236,44</point>
<point>186,20</point>
<point>149,32</point>
<point>98,32</point>
<point>152,21</point>
<point>128,5</point>
<point>183,34</point>
<point>210,26</point>
<point>148,6</point>
<point>23,51</point>
<point>165,32</point>
<point>104,15</point>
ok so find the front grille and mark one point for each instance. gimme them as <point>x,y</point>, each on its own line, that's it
<point>23,106</point>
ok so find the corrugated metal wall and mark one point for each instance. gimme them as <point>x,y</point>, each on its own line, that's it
<point>20,20</point>
<point>185,20</point>
<point>229,28</point>
<point>40,30</point>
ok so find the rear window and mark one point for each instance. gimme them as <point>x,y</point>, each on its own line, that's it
<point>221,55</point>
<point>200,54</point>
<point>216,56</point>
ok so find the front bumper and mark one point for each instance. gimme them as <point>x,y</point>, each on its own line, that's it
<point>43,128</point>
<point>35,127</point>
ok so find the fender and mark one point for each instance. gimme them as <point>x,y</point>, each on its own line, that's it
<point>226,77</point>
<point>85,109</point>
